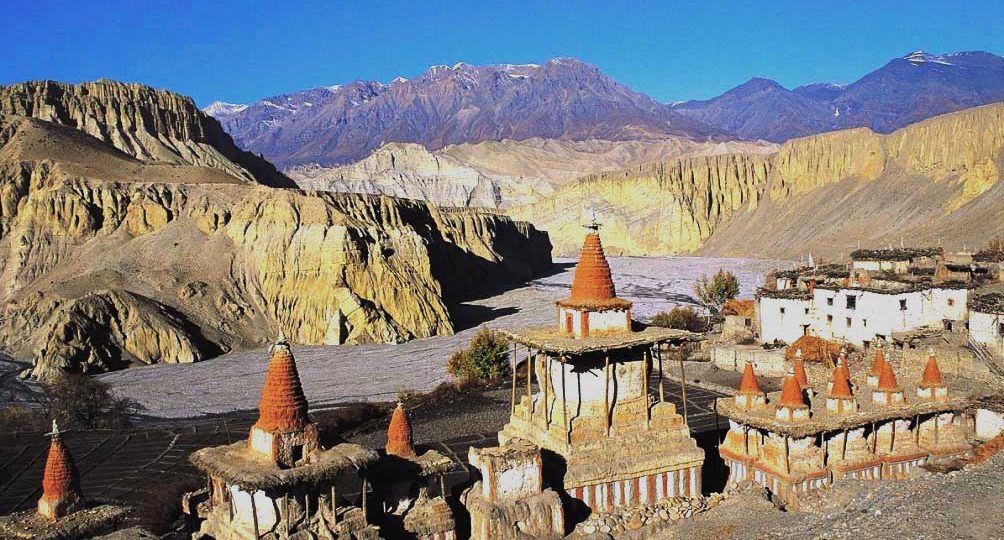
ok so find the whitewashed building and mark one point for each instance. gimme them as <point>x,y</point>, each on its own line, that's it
<point>896,260</point>
<point>986,322</point>
<point>859,315</point>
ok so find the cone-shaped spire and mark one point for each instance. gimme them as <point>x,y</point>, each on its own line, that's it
<point>887,380</point>
<point>399,442</point>
<point>791,394</point>
<point>592,281</point>
<point>283,406</point>
<point>879,362</point>
<point>749,385</point>
<point>932,373</point>
<point>841,384</point>
<point>800,376</point>
<point>60,482</point>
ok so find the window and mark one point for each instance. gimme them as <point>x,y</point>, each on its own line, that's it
<point>848,322</point>
<point>951,302</point>
<point>806,311</point>
<point>829,319</point>
<point>782,311</point>
<point>829,301</point>
<point>902,305</point>
<point>864,322</point>
<point>1001,329</point>
<point>852,301</point>
<point>748,321</point>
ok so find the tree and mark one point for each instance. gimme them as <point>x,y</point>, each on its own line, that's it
<point>720,288</point>
<point>484,360</point>
<point>680,318</point>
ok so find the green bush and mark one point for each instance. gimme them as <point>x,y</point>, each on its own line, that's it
<point>680,318</point>
<point>75,401</point>
<point>485,359</point>
<point>720,288</point>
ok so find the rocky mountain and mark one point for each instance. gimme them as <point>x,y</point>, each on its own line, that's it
<point>140,244</point>
<point>562,99</point>
<point>933,182</point>
<point>497,174</point>
<point>905,90</point>
<point>151,125</point>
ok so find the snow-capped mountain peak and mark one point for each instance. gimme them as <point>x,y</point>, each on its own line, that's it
<point>921,57</point>
<point>222,108</point>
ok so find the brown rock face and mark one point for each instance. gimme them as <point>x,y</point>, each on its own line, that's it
<point>145,123</point>
<point>111,260</point>
<point>934,181</point>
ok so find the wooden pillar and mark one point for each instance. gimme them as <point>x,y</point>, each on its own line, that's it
<point>916,421</point>
<point>284,513</point>
<point>513,364</point>
<point>547,378</point>
<point>662,389</point>
<point>334,505</point>
<point>529,381</point>
<point>606,393</point>
<point>892,435</point>
<point>564,404</point>
<point>683,386</point>
<point>442,485</point>
<point>843,452</point>
<point>644,373</point>
<point>936,428</point>
<point>787,461</point>
<point>366,518</point>
<point>254,516</point>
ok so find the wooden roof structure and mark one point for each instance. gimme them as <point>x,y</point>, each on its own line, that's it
<point>551,340</point>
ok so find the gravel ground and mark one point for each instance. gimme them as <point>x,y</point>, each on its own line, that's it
<point>334,375</point>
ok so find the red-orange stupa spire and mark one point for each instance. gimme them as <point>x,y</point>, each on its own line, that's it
<point>841,383</point>
<point>791,394</point>
<point>878,363</point>
<point>800,376</point>
<point>932,373</point>
<point>60,483</point>
<point>887,380</point>
<point>749,385</point>
<point>592,282</point>
<point>399,442</point>
<point>283,407</point>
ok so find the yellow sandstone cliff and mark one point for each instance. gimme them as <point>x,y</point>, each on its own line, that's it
<point>934,181</point>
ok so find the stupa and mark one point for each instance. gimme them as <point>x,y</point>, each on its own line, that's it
<point>605,442</point>
<point>280,482</point>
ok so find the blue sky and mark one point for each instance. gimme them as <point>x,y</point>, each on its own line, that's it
<point>241,51</point>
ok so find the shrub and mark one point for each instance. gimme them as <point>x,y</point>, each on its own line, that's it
<point>720,288</point>
<point>80,401</point>
<point>483,360</point>
<point>680,318</point>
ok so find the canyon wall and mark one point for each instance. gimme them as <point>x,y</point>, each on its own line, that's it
<point>933,182</point>
<point>148,124</point>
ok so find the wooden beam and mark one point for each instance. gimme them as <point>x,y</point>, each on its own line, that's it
<point>662,387</point>
<point>644,375</point>
<point>529,381</point>
<point>606,393</point>
<point>564,404</point>
<point>334,505</point>
<point>787,460</point>
<point>547,383</point>
<point>683,386</point>
<point>512,357</point>
<point>366,518</point>
<point>254,516</point>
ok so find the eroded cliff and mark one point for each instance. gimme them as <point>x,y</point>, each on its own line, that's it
<point>936,181</point>
<point>105,266</point>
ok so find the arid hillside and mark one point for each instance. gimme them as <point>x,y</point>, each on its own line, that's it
<point>936,181</point>
<point>499,174</point>
<point>123,249</point>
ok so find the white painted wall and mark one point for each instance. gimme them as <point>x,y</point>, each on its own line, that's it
<point>786,326</point>
<point>899,267</point>
<point>599,322</point>
<point>985,328</point>
<point>244,513</point>
<point>626,382</point>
